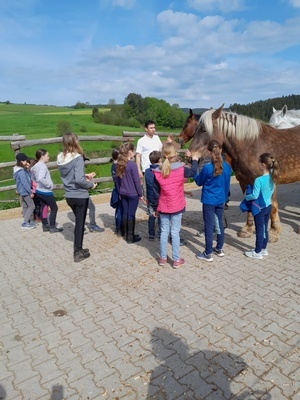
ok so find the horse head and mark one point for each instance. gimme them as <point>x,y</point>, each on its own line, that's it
<point>189,128</point>
<point>285,118</point>
<point>278,118</point>
<point>207,130</point>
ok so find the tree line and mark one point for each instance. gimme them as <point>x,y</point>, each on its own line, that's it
<point>137,109</point>
<point>263,109</point>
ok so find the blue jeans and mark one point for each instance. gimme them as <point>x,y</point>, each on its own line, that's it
<point>167,221</point>
<point>261,221</point>
<point>209,213</point>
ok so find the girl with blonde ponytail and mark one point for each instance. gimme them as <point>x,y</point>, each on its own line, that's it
<point>169,201</point>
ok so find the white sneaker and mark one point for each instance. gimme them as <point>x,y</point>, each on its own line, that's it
<point>252,254</point>
<point>264,252</point>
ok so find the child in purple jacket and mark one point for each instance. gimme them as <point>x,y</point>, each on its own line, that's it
<point>129,188</point>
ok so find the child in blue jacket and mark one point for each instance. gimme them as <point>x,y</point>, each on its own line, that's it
<point>262,192</point>
<point>155,159</point>
<point>215,179</point>
<point>22,177</point>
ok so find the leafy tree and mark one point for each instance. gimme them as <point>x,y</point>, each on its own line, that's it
<point>63,127</point>
<point>79,105</point>
<point>134,106</point>
<point>111,102</point>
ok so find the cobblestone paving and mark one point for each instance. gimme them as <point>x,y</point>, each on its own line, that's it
<point>118,326</point>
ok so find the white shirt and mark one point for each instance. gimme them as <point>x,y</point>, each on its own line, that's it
<point>145,146</point>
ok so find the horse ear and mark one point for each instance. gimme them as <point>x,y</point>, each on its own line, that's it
<point>218,112</point>
<point>274,109</point>
<point>284,110</point>
<point>191,112</point>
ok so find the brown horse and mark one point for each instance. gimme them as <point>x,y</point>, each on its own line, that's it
<point>189,129</point>
<point>244,139</point>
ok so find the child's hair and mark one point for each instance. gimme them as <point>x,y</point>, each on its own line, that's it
<point>154,156</point>
<point>39,153</point>
<point>271,164</point>
<point>114,154</point>
<point>149,122</point>
<point>170,155</point>
<point>216,156</point>
<point>123,158</point>
<point>71,144</point>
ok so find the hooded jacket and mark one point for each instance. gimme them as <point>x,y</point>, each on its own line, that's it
<point>71,168</point>
<point>41,175</point>
<point>168,193</point>
<point>23,181</point>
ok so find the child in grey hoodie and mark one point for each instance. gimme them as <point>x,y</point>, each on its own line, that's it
<point>71,167</point>
<point>42,177</point>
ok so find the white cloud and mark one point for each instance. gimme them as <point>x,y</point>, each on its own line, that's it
<point>222,5</point>
<point>123,3</point>
<point>295,3</point>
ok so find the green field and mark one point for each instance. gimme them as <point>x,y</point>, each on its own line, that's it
<point>39,122</point>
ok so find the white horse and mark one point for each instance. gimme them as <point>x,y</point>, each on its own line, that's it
<point>285,118</point>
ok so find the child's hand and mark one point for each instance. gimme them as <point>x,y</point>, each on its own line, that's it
<point>90,176</point>
<point>143,200</point>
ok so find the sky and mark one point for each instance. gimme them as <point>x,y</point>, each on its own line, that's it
<point>194,53</point>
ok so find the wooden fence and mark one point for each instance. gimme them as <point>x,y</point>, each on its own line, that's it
<point>21,142</point>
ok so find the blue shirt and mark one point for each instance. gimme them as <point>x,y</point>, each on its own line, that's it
<point>264,186</point>
<point>215,188</point>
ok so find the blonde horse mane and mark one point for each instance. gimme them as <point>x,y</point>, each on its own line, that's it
<point>232,124</point>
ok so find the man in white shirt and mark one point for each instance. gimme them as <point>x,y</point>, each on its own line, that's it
<point>145,145</point>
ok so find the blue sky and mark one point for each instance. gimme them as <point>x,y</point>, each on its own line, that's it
<point>195,53</point>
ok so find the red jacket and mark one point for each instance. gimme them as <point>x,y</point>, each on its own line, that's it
<point>171,197</point>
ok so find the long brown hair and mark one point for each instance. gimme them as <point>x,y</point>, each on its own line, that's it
<point>170,155</point>
<point>216,156</point>
<point>122,159</point>
<point>71,144</point>
<point>271,165</point>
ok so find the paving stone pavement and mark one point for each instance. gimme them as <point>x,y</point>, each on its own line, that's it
<point>118,326</point>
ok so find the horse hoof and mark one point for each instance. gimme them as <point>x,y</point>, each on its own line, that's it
<point>273,239</point>
<point>244,234</point>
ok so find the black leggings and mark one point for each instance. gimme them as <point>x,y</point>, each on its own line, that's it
<point>79,208</point>
<point>48,201</point>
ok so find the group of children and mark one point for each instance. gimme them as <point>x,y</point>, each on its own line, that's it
<point>164,192</point>
<point>164,195</point>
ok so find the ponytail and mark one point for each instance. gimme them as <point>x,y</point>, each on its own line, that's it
<point>216,156</point>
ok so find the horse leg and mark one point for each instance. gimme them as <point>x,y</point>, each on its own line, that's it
<point>276,227</point>
<point>247,230</point>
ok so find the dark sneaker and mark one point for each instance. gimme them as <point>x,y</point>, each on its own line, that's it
<point>46,228</point>
<point>203,256</point>
<point>81,255</point>
<point>96,228</point>
<point>178,263</point>
<point>28,225</point>
<point>162,262</point>
<point>218,252</point>
<point>55,230</point>
<point>151,238</point>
